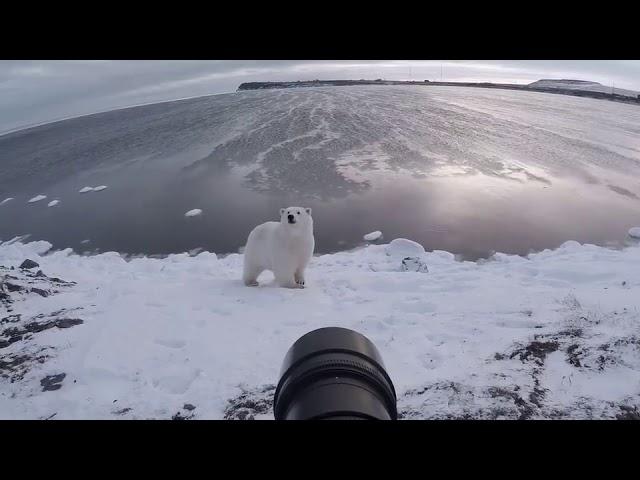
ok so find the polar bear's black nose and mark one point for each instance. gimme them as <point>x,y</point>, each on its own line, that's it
<point>290,217</point>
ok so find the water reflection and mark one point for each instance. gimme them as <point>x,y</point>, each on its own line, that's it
<point>455,169</point>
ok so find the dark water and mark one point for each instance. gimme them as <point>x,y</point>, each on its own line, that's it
<point>457,169</point>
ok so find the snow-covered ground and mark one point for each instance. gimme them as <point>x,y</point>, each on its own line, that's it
<point>583,85</point>
<point>552,335</point>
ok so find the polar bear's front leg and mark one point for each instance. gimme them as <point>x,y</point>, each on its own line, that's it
<point>286,278</point>
<point>298,276</point>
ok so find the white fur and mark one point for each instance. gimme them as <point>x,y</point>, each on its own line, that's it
<point>281,247</point>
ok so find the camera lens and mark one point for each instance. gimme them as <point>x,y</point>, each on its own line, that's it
<point>334,374</point>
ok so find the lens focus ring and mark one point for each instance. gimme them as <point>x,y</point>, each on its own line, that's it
<point>334,373</point>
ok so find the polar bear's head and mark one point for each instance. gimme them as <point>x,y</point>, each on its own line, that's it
<point>296,217</point>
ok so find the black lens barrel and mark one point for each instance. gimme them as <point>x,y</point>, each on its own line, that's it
<point>334,373</point>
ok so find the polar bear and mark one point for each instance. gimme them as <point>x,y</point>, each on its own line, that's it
<point>284,247</point>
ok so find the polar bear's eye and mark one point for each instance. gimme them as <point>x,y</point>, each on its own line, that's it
<point>298,213</point>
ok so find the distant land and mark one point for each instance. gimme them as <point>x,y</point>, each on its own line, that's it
<point>582,85</point>
<point>577,88</point>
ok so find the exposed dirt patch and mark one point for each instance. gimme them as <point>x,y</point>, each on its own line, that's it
<point>15,366</point>
<point>15,334</point>
<point>536,351</point>
<point>122,411</point>
<point>15,329</point>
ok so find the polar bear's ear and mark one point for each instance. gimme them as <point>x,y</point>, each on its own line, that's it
<point>281,211</point>
<point>308,210</point>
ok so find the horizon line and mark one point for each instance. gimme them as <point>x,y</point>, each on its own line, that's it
<point>47,122</point>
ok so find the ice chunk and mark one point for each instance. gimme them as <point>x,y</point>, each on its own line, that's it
<point>99,188</point>
<point>86,189</point>
<point>193,213</point>
<point>370,237</point>
<point>401,247</point>
<point>53,203</point>
<point>37,198</point>
<point>570,245</point>
<point>634,232</point>
<point>6,200</point>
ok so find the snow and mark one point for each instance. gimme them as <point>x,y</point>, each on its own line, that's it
<point>370,237</point>
<point>53,203</point>
<point>583,85</point>
<point>85,190</point>
<point>6,200</point>
<point>552,335</point>
<point>37,198</point>
<point>634,232</point>
<point>99,188</point>
<point>193,213</point>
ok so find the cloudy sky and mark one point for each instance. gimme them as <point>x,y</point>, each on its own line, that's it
<point>33,92</point>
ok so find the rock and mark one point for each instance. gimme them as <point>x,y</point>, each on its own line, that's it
<point>401,247</point>
<point>52,382</point>
<point>29,264</point>
<point>39,291</point>
<point>179,416</point>
<point>414,264</point>
<point>13,288</point>
<point>40,273</point>
<point>68,322</point>
<point>628,413</point>
<point>188,406</point>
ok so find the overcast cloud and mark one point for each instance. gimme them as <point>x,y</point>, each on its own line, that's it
<point>33,92</point>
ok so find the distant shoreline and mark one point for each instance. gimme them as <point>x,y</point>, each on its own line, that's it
<point>323,83</point>
<point>615,97</point>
